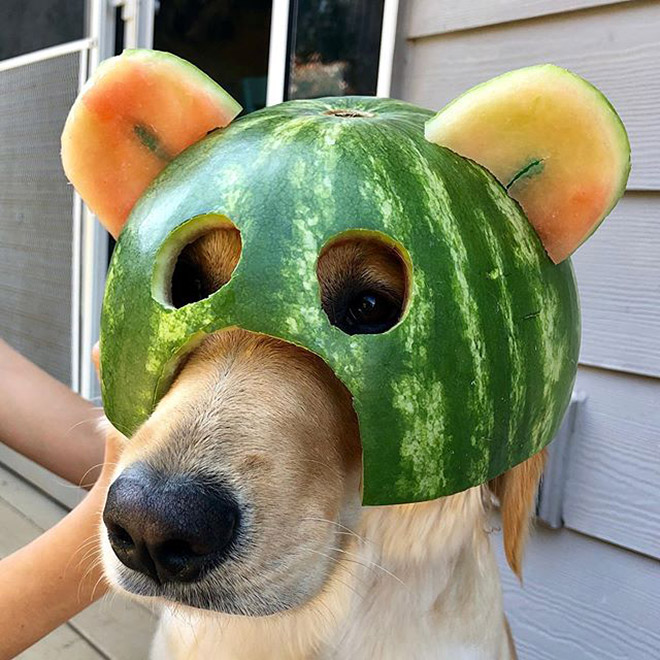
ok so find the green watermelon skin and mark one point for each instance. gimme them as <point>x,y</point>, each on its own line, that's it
<point>476,377</point>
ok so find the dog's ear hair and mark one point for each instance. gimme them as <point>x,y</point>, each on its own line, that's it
<point>516,491</point>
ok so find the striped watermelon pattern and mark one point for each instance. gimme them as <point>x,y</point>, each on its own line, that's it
<point>476,377</point>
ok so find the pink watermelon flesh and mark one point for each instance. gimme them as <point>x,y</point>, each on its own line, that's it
<point>552,139</point>
<point>138,112</point>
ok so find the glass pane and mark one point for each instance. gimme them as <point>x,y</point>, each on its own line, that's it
<point>29,25</point>
<point>227,39</point>
<point>334,47</point>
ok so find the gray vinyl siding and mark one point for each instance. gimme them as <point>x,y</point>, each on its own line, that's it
<point>582,599</point>
<point>591,589</point>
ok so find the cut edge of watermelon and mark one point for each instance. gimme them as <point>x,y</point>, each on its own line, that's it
<point>476,95</point>
<point>396,246</point>
<point>188,69</point>
<point>168,254</point>
<point>79,145</point>
<point>146,55</point>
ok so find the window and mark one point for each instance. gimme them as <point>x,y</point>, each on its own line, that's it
<point>29,25</point>
<point>334,47</point>
<point>227,39</point>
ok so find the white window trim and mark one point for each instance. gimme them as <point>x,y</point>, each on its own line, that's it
<point>82,45</point>
<point>387,44</point>
<point>277,52</point>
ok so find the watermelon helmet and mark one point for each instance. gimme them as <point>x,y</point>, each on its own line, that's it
<point>476,374</point>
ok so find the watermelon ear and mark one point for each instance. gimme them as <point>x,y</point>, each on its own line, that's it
<point>552,139</point>
<point>138,112</point>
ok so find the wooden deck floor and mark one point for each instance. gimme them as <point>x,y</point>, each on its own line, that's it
<point>112,628</point>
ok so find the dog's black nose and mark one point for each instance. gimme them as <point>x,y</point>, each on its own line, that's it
<point>171,528</point>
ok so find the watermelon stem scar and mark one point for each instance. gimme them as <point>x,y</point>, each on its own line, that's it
<point>347,113</point>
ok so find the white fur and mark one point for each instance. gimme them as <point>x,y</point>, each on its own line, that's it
<point>421,583</point>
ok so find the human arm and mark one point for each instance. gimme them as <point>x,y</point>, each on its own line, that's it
<point>44,420</point>
<point>50,580</point>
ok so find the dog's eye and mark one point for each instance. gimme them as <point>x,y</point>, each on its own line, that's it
<point>364,279</point>
<point>187,284</point>
<point>205,265</point>
<point>368,312</point>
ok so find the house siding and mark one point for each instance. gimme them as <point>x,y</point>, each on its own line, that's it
<point>591,589</point>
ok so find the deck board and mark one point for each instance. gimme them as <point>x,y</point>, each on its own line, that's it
<point>63,642</point>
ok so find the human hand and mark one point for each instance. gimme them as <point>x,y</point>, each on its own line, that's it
<point>57,575</point>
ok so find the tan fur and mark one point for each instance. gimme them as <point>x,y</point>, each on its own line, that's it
<point>318,575</point>
<point>516,491</point>
<point>222,248</point>
<point>364,260</point>
<point>509,636</point>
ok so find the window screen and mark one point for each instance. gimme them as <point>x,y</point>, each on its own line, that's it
<point>36,212</point>
<point>29,25</point>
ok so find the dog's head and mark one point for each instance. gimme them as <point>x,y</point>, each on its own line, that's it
<point>245,462</point>
<point>242,486</point>
<point>236,491</point>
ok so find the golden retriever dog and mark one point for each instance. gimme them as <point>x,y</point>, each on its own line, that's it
<point>237,504</point>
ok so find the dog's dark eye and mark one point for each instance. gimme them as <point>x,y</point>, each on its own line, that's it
<point>364,280</point>
<point>368,312</point>
<point>187,284</point>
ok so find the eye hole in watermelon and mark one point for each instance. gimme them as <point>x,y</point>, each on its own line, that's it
<point>364,278</point>
<point>187,266</point>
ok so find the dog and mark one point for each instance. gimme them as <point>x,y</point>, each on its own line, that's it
<point>237,504</point>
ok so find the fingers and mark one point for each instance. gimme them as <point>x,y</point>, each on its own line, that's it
<point>96,356</point>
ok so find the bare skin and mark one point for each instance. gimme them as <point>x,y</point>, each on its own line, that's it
<point>53,578</point>
<point>45,421</point>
